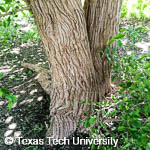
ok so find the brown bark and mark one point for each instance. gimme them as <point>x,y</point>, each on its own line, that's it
<point>77,73</point>
<point>102,17</point>
<point>62,27</point>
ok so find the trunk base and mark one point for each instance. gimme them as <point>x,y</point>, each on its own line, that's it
<point>62,126</point>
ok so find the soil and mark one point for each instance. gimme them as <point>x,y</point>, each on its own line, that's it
<point>29,117</point>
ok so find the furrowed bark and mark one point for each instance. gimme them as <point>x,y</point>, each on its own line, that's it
<point>102,17</point>
<point>62,27</point>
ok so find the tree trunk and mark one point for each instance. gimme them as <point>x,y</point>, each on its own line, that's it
<point>77,73</point>
<point>62,27</point>
<point>102,17</point>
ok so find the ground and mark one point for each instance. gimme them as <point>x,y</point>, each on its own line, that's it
<point>29,117</point>
<point>30,114</point>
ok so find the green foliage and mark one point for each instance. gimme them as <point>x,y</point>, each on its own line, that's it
<point>33,148</point>
<point>135,34</point>
<point>118,36</point>
<point>124,10</point>
<point>136,10</point>
<point>10,30</point>
<point>4,93</point>
<point>134,100</point>
<point>30,36</point>
<point>132,105</point>
<point>1,75</point>
<point>7,34</point>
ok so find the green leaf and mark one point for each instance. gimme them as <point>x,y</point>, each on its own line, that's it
<point>94,130</point>
<point>130,29</point>
<point>17,7</point>
<point>8,1</point>
<point>92,119</point>
<point>121,128</point>
<point>148,146</point>
<point>120,44</point>
<point>113,113</point>
<point>145,129</point>
<point>93,147</point>
<point>86,124</point>
<point>5,91</point>
<point>9,20</point>
<point>29,147</point>
<point>103,125</point>
<point>147,66</point>
<point>12,98</point>
<point>111,41</point>
<point>123,30</point>
<point>73,103</point>
<point>10,104</point>
<point>79,122</point>
<point>108,58</point>
<point>89,101</point>
<point>141,28</point>
<point>18,2</point>
<point>148,124</point>
<point>132,129</point>
<point>15,98</point>
<point>85,113</point>
<point>119,36</point>
<point>2,9</point>
<point>24,14</point>
<point>1,93</point>
<point>83,102</point>
<point>1,75</point>
<point>126,146</point>
<point>5,23</point>
<point>30,72</point>
<point>106,102</point>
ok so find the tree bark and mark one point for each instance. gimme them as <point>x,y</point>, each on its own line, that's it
<point>102,18</point>
<point>77,73</point>
<point>62,27</point>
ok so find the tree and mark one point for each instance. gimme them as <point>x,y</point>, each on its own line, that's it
<point>73,38</point>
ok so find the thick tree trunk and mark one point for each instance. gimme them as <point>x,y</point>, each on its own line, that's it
<point>77,73</point>
<point>102,17</point>
<point>62,27</point>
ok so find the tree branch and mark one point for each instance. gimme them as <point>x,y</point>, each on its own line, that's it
<point>17,10</point>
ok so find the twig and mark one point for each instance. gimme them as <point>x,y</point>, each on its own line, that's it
<point>17,10</point>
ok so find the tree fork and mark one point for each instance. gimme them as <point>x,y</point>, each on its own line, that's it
<point>72,43</point>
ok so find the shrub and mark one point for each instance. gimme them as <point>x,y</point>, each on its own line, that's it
<point>128,117</point>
